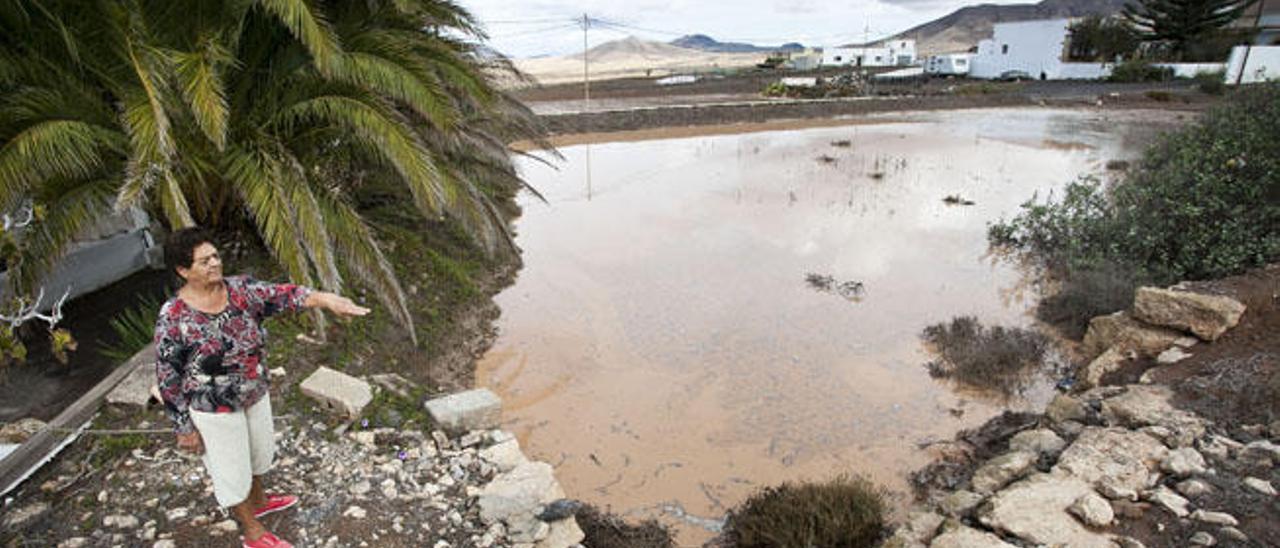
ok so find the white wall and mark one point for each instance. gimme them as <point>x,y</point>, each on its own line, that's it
<point>1263,64</point>
<point>948,63</point>
<point>1034,47</point>
<point>1190,70</point>
<point>839,56</point>
<point>1080,71</point>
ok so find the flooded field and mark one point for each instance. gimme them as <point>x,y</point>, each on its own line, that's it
<point>700,317</point>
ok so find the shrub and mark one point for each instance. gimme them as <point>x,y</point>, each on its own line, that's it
<point>1139,70</point>
<point>607,530</point>
<point>841,512</point>
<point>984,357</point>
<point>1211,83</point>
<point>1086,293</point>
<point>1159,95</point>
<point>1203,202</point>
<point>133,328</point>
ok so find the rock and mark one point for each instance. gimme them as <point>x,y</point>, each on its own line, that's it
<point>1143,405</point>
<point>165,543</point>
<point>1260,485</point>
<point>354,512</point>
<point>277,372</point>
<point>563,534</point>
<point>338,391</point>
<point>1218,447</point>
<point>1131,510</point>
<point>1216,518</point>
<point>1192,488</point>
<point>1040,441</point>
<point>19,431</point>
<point>1206,316</point>
<point>18,518</point>
<point>175,514</point>
<point>1183,462</point>
<point>1174,354</point>
<point>999,471</point>
<point>1120,331</point>
<point>519,492</point>
<point>1129,542</point>
<point>1233,534</point>
<point>1262,449</point>
<point>365,438</point>
<point>527,529</point>
<point>1169,501</point>
<point>477,409</point>
<point>505,455</point>
<point>1119,458</point>
<point>1035,510</point>
<point>395,384</point>
<point>959,503</point>
<point>1112,489</point>
<point>135,388</point>
<point>226,526</point>
<point>1110,360</point>
<point>360,488</point>
<point>1093,510</point>
<point>968,537</point>
<point>470,439</point>
<point>1202,538</point>
<point>74,542</point>
<point>1066,408</point>
<point>919,529</point>
<point>121,521</point>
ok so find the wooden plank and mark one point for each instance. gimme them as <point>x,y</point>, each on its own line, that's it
<point>41,447</point>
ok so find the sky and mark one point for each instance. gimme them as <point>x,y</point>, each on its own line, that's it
<point>546,27</point>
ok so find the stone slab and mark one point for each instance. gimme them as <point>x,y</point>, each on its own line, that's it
<point>458,413</point>
<point>338,391</point>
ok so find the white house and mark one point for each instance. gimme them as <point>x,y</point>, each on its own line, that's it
<point>888,54</point>
<point>948,64</point>
<point>1034,47</point>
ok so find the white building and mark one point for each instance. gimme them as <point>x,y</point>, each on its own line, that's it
<point>948,64</point>
<point>896,53</point>
<point>1034,47</point>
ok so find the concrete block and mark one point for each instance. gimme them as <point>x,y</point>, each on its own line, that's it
<point>477,409</point>
<point>338,391</point>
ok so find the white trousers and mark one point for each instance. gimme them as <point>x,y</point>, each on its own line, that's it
<point>237,446</point>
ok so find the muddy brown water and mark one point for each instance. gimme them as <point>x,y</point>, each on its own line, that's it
<point>662,349</point>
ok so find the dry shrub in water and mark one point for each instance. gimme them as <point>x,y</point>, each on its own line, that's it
<point>985,357</point>
<point>841,512</point>
<point>607,530</point>
<point>1085,294</point>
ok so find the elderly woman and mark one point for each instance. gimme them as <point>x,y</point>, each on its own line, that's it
<point>210,363</point>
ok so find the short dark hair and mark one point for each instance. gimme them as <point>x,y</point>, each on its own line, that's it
<point>180,248</point>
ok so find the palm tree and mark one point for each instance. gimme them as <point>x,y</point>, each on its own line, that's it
<point>210,112</point>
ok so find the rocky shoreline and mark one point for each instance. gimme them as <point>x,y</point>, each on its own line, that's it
<point>1111,465</point>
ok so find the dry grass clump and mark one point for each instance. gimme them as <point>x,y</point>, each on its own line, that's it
<point>841,512</point>
<point>985,357</point>
<point>607,530</point>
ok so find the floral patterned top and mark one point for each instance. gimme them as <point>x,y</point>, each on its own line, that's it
<point>213,362</point>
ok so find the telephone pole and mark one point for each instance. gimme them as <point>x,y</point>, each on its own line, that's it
<point>586,70</point>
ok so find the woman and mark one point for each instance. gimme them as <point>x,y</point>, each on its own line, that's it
<point>209,362</point>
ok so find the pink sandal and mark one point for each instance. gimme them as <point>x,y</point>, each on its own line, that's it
<point>267,540</point>
<point>275,503</point>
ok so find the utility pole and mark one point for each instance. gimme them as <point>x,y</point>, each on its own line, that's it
<point>1257,21</point>
<point>586,70</point>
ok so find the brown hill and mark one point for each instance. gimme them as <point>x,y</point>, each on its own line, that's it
<point>963,28</point>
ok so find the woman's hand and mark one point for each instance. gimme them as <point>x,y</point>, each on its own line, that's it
<point>191,443</point>
<point>343,306</point>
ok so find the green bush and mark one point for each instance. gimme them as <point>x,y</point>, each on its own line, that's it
<point>1211,82</point>
<point>842,512</point>
<point>134,328</point>
<point>996,357</point>
<point>1139,70</point>
<point>1203,202</point>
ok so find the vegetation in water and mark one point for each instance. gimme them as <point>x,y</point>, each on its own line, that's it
<point>841,512</point>
<point>997,357</point>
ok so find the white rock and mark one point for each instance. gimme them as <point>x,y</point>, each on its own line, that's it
<point>519,492</point>
<point>1216,518</point>
<point>1192,488</point>
<point>1183,462</point>
<point>1065,408</point>
<point>359,488</point>
<point>1035,510</point>
<point>1093,510</point>
<point>1169,501</point>
<point>165,543</point>
<point>226,526</point>
<point>1041,441</point>
<point>478,409</point>
<point>1109,361</point>
<point>958,503</point>
<point>1143,405</point>
<point>1260,485</point>
<point>121,521</point>
<point>1174,354</point>
<point>999,471</point>
<point>505,455</point>
<point>562,534</point>
<point>1202,538</point>
<point>338,391</point>
<point>1206,316</point>
<point>1120,458</point>
<point>74,542</point>
<point>1233,534</point>
<point>968,537</point>
<point>365,438</point>
<point>1120,331</point>
<point>135,389</point>
<point>1262,449</point>
<point>354,512</point>
<point>175,514</point>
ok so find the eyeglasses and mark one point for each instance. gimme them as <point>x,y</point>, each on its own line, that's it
<point>209,259</point>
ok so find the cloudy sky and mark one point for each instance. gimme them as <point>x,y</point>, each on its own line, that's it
<point>545,27</point>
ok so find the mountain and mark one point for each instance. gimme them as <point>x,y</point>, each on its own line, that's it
<point>703,42</point>
<point>963,28</point>
<point>632,57</point>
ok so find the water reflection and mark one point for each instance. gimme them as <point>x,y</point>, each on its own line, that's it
<point>663,348</point>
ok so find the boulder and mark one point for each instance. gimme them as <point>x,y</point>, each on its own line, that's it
<point>519,492</point>
<point>1118,458</point>
<point>1109,361</point>
<point>999,471</point>
<point>562,534</point>
<point>1035,510</point>
<point>968,537</point>
<point>1183,462</point>
<point>1169,500</point>
<point>1206,316</point>
<point>1260,485</point>
<point>505,456</point>
<point>1192,488</point>
<point>1041,441</point>
<point>959,503</point>
<point>1149,405</point>
<point>338,391</point>
<point>478,409</point>
<point>1066,408</point>
<point>1093,510</point>
<point>1126,334</point>
<point>920,528</point>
